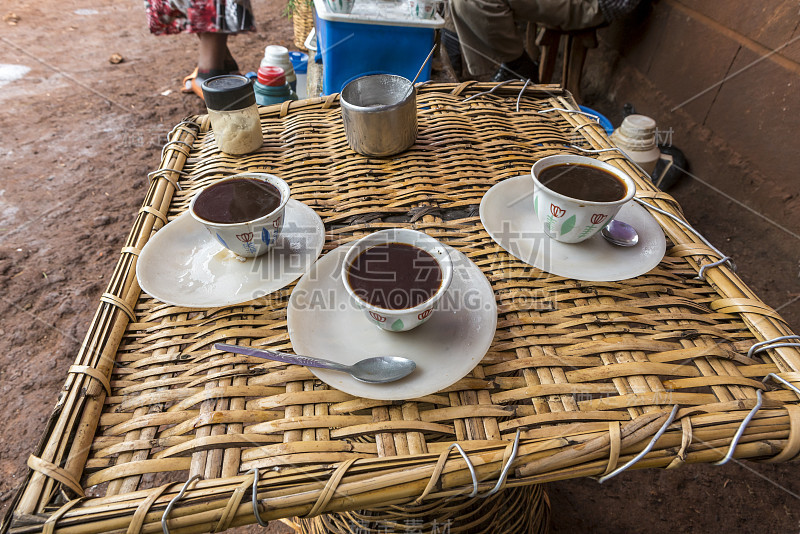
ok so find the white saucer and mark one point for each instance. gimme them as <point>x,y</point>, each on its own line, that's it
<point>507,214</point>
<point>184,266</point>
<point>324,322</point>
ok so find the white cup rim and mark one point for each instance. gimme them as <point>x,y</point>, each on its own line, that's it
<point>561,159</point>
<point>389,236</point>
<point>282,186</point>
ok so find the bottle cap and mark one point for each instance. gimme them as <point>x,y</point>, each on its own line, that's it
<point>299,62</point>
<point>276,52</point>
<point>637,132</point>
<point>271,76</point>
<point>228,92</point>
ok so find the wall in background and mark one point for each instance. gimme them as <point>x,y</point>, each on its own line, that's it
<point>722,79</point>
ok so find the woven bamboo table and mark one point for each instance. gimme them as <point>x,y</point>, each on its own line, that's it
<point>589,373</point>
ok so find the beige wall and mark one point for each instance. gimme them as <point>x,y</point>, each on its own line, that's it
<point>724,73</point>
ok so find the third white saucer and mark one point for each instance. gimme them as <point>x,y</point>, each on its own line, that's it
<point>507,214</point>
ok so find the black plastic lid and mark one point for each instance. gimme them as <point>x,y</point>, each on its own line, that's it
<point>228,92</point>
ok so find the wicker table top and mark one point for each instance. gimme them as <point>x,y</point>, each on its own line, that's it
<point>587,372</point>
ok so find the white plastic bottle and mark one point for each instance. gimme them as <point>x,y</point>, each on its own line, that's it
<point>637,137</point>
<point>278,56</point>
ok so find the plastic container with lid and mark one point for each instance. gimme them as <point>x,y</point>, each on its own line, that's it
<point>271,87</point>
<point>377,37</point>
<point>636,136</point>
<point>233,113</point>
<point>278,56</point>
<point>300,65</point>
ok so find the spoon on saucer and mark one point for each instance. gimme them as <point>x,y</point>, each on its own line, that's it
<point>620,233</point>
<point>375,370</point>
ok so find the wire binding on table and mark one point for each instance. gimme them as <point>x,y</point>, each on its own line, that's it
<point>174,501</point>
<point>443,457</point>
<point>181,149</point>
<point>740,431</point>
<point>182,123</point>
<point>490,91</point>
<point>702,276</point>
<point>175,183</point>
<point>521,92</point>
<point>504,471</point>
<point>572,112</point>
<point>783,380</point>
<point>762,345</point>
<point>256,512</point>
<point>644,451</point>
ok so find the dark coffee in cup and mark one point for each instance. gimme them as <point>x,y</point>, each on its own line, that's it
<point>583,182</point>
<point>394,276</point>
<point>237,200</point>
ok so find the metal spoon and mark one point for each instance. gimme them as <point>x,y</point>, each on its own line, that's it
<point>375,370</point>
<point>430,54</point>
<point>620,233</point>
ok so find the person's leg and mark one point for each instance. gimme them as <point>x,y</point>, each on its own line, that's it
<point>487,32</point>
<point>212,52</point>
<point>559,14</point>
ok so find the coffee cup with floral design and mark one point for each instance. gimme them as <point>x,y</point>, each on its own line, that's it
<point>568,219</point>
<point>253,237</point>
<point>398,319</point>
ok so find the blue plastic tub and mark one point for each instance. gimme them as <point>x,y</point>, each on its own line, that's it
<point>377,37</point>
<point>604,122</point>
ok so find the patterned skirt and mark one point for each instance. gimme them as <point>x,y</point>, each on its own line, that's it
<point>199,16</point>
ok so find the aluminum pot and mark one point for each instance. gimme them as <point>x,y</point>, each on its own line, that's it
<point>380,114</point>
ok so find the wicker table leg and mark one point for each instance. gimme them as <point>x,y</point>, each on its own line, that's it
<point>518,510</point>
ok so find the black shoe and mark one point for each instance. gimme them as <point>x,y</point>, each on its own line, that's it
<point>522,68</point>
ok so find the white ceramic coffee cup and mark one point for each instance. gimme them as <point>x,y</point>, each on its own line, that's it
<point>572,220</point>
<point>407,318</point>
<point>250,238</point>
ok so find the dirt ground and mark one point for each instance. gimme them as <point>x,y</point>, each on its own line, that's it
<point>78,137</point>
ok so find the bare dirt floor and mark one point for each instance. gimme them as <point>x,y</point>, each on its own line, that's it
<point>78,136</point>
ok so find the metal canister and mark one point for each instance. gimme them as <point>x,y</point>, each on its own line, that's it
<point>380,114</point>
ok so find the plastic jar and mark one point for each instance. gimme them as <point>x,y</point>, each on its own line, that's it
<point>636,136</point>
<point>278,56</point>
<point>300,65</point>
<point>271,87</point>
<point>232,109</point>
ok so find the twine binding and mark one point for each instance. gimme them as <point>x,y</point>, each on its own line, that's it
<point>137,521</point>
<point>114,300</point>
<point>92,373</point>
<point>51,470</point>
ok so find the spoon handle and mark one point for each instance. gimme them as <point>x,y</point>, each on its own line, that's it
<point>283,357</point>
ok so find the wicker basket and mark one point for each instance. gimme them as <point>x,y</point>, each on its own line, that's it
<point>523,510</point>
<point>303,22</point>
